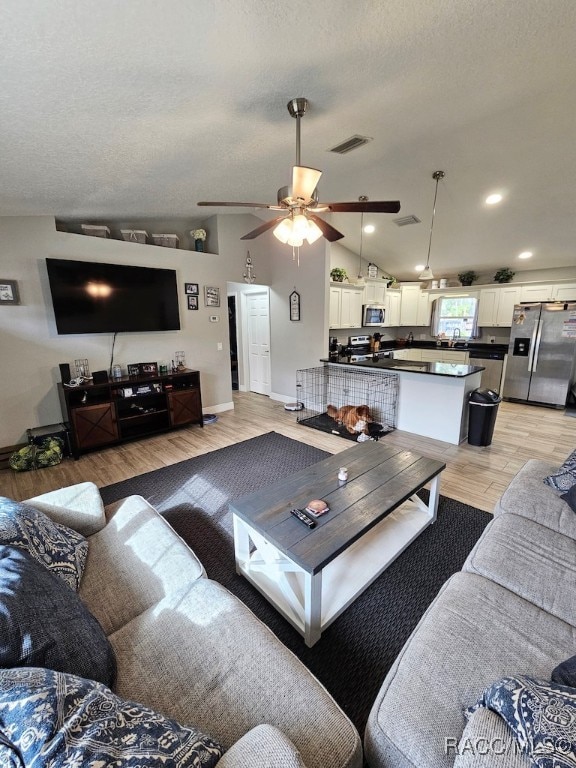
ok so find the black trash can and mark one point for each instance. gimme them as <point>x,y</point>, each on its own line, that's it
<point>482,416</point>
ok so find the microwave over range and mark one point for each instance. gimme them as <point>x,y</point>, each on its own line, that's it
<point>372,314</point>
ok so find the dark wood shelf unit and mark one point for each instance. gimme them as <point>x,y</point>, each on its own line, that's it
<point>99,415</point>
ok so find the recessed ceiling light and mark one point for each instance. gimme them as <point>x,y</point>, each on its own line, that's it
<point>369,228</point>
<point>525,255</point>
<point>493,199</point>
<point>419,268</point>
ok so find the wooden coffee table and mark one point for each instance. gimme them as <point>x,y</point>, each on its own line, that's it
<point>312,575</point>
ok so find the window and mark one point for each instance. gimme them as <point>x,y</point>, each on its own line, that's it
<point>455,316</point>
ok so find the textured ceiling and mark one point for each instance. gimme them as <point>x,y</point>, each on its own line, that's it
<point>115,110</point>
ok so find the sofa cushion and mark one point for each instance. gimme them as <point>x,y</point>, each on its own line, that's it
<point>529,497</point>
<point>487,742</point>
<point>262,747</point>
<point>531,560</point>
<point>565,672</point>
<point>78,506</point>
<point>541,715</point>
<point>79,722</point>
<point>474,632</point>
<point>570,498</point>
<point>134,561</point>
<point>44,623</point>
<point>55,546</point>
<point>236,675</point>
<point>565,476</point>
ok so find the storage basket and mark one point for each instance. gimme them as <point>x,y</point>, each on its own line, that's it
<point>168,241</point>
<point>95,230</point>
<point>134,235</point>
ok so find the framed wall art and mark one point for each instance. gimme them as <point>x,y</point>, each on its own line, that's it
<point>211,296</point>
<point>294,305</point>
<point>9,292</point>
<point>192,302</point>
<point>191,289</point>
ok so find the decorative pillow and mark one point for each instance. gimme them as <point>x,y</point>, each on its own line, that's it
<point>570,498</point>
<point>43,623</point>
<point>565,673</point>
<point>565,477</point>
<point>541,715</point>
<point>56,546</point>
<point>63,721</point>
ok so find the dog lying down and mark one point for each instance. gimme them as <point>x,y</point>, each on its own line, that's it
<point>357,420</point>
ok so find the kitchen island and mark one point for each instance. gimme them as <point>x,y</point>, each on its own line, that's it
<point>432,397</point>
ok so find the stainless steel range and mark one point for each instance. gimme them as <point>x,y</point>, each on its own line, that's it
<point>359,349</point>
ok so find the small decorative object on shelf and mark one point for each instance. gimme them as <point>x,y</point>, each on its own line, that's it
<point>504,275</point>
<point>134,235</point>
<point>133,369</point>
<point>179,361</point>
<point>343,474</point>
<point>391,281</point>
<point>338,274</point>
<point>467,278</point>
<point>149,368</point>
<point>198,235</point>
<point>249,274</point>
<point>372,271</point>
<point>168,241</point>
<point>95,230</point>
<point>82,368</point>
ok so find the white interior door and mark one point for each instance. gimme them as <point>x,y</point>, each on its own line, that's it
<point>258,326</point>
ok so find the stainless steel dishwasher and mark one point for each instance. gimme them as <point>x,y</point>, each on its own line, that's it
<point>493,362</point>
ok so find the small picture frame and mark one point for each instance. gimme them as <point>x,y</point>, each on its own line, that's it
<point>211,296</point>
<point>191,290</point>
<point>192,302</point>
<point>295,306</point>
<point>149,368</point>
<point>133,369</point>
<point>9,292</point>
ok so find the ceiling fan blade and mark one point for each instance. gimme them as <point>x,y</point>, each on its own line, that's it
<point>329,232</point>
<point>262,228</point>
<point>243,205</point>
<point>304,182</point>
<point>382,206</point>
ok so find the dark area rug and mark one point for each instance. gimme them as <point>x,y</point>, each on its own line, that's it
<point>356,651</point>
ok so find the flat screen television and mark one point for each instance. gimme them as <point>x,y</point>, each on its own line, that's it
<point>90,297</point>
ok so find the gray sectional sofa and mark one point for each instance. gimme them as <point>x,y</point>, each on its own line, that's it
<point>511,610</point>
<point>188,648</point>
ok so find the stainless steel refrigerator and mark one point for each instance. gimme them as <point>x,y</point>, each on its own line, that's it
<point>541,355</point>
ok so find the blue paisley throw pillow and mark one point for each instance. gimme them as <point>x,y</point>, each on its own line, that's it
<point>541,715</point>
<point>49,718</point>
<point>55,546</point>
<point>565,477</point>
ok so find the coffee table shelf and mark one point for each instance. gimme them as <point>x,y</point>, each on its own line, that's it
<point>312,576</point>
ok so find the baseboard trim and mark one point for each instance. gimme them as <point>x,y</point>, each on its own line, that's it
<point>282,398</point>
<point>219,408</point>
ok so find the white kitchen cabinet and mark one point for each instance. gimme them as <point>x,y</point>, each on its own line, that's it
<point>441,355</point>
<point>496,306</point>
<point>536,292</point>
<point>375,292</point>
<point>409,304</point>
<point>345,307</point>
<point>392,305</point>
<point>565,292</point>
<point>424,308</point>
<point>408,354</point>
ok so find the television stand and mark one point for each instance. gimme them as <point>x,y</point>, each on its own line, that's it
<point>129,408</point>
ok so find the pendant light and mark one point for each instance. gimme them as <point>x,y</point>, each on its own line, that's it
<point>427,273</point>
<point>360,280</point>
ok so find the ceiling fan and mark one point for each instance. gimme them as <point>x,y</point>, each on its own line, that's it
<point>300,204</point>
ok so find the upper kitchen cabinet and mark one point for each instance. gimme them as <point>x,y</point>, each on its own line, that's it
<point>548,292</point>
<point>346,306</point>
<point>375,292</point>
<point>565,292</point>
<point>496,305</point>
<point>409,304</point>
<point>392,305</point>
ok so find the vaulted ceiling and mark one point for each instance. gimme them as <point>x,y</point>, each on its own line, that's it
<point>140,109</point>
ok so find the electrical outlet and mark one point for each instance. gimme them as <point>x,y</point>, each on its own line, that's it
<point>491,339</point>
<point>219,346</point>
<point>214,318</point>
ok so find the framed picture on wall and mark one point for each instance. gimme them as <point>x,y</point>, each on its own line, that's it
<point>192,302</point>
<point>294,305</point>
<point>9,292</point>
<point>211,296</point>
<point>191,289</point>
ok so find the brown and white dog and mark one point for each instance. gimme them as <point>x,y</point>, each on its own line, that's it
<point>354,417</point>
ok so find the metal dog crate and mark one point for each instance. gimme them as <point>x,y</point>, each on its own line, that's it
<point>317,388</point>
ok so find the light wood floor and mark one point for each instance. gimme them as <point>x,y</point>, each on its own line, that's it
<point>474,475</point>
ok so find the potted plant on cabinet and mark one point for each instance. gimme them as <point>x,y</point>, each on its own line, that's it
<point>467,278</point>
<point>390,280</point>
<point>504,275</point>
<point>338,274</point>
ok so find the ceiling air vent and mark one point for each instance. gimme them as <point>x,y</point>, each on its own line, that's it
<point>352,143</point>
<point>403,221</point>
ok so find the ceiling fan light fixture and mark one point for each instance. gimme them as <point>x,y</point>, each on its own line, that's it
<point>314,232</point>
<point>283,230</point>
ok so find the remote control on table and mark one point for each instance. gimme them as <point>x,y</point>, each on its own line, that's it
<point>303,518</point>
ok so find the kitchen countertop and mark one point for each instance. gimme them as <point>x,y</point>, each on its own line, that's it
<point>455,370</point>
<point>461,347</point>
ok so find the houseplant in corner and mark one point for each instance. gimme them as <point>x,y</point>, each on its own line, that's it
<point>338,274</point>
<point>504,275</point>
<point>467,278</point>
